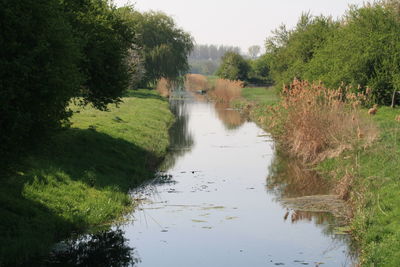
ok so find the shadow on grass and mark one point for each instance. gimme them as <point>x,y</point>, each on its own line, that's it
<point>143,93</point>
<point>62,174</point>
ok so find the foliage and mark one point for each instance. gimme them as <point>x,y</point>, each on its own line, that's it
<point>105,41</point>
<point>165,47</point>
<point>289,51</point>
<point>37,78</point>
<point>233,67</point>
<point>364,51</point>
<point>80,177</point>
<point>259,70</point>
<point>361,49</point>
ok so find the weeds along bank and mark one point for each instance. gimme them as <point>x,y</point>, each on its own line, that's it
<point>358,151</point>
<point>80,178</point>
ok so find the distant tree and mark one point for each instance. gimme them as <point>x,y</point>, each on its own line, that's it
<point>233,67</point>
<point>254,51</point>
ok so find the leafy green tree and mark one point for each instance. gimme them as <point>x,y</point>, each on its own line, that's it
<point>106,42</point>
<point>260,71</point>
<point>165,47</point>
<point>291,50</point>
<point>39,72</point>
<point>233,67</point>
<point>364,51</point>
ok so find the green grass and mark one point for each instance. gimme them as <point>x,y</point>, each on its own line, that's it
<point>376,170</point>
<point>376,189</point>
<point>79,179</point>
<point>260,95</point>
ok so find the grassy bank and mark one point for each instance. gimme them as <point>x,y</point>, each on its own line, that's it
<point>79,179</point>
<point>374,176</point>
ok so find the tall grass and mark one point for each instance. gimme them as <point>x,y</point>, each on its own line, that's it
<point>226,90</point>
<point>164,87</point>
<point>196,82</point>
<point>315,122</point>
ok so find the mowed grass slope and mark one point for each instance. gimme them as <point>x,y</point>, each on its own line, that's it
<point>80,178</point>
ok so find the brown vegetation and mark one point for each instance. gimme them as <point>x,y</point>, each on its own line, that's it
<point>226,90</point>
<point>315,122</point>
<point>164,87</point>
<point>196,82</point>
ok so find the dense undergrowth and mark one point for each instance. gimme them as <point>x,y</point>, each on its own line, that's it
<point>80,178</point>
<point>370,175</point>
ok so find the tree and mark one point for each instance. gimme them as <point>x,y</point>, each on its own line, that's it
<point>254,51</point>
<point>290,51</point>
<point>39,73</point>
<point>165,47</point>
<point>106,42</point>
<point>364,51</point>
<point>233,67</point>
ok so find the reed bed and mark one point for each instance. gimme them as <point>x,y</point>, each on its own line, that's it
<point>226,90</point>
<point>314,122</point>
<point>164,87</point>
<point>196,82</point>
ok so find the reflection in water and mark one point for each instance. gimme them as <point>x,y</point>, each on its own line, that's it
<point>181,138</point>
<point>108,248</point>
<point>232,119</point>
<point>290,178</point>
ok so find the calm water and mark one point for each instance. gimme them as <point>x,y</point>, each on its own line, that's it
<point>216,202</point>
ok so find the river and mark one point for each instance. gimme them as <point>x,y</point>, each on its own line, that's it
<point>216,202</point>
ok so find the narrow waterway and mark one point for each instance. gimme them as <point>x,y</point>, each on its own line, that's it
<point>216,202</point>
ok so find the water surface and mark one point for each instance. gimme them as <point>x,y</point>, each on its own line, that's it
<point>214,206</point>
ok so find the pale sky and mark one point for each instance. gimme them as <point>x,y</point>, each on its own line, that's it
<point>238,22</point>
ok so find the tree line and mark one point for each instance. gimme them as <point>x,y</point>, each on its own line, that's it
<point>53,51</point>
<point>205,59</point>
<point>361,49</point>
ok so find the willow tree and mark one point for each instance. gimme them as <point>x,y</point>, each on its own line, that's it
<point>165,47</point>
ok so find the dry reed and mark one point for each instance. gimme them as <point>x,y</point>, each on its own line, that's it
<point>164,87</point>
<point>226,90</point>
<point>196,82</point>
<point>316,122</point>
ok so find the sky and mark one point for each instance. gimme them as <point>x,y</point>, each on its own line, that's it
<point>240,23</point>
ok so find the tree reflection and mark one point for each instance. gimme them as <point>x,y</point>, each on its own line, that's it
<point>181,139</point>
<point>108,248</point>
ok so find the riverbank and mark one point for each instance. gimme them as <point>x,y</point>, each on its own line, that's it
<point>80,179</point>
<point>373,176</point>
